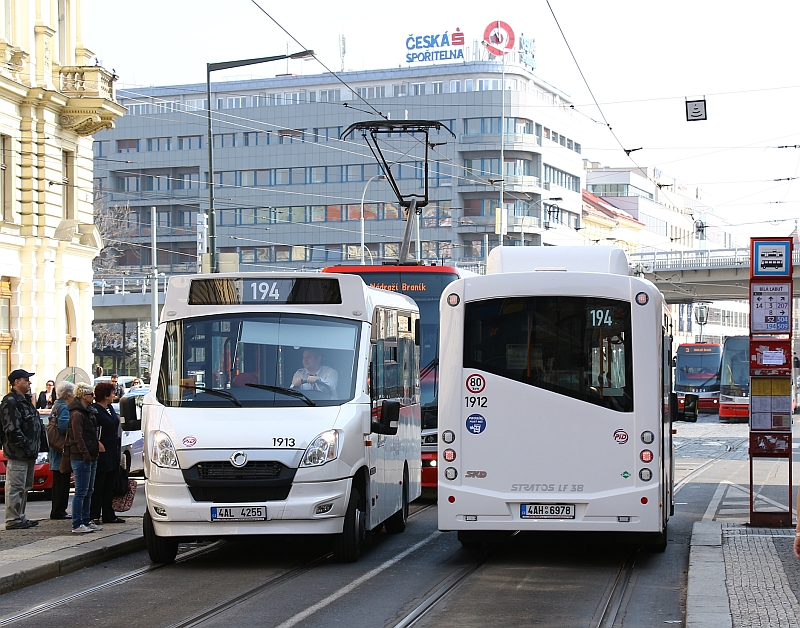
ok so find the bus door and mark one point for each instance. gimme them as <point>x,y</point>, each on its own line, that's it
<point>667,459</point>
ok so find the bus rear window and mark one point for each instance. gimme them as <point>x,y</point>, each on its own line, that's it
<point>579,347</point>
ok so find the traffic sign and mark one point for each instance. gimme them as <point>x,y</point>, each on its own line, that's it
<point>770,307</point>
<point>770,257</point>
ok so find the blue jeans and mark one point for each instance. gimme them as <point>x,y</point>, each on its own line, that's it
<point>84,485</point>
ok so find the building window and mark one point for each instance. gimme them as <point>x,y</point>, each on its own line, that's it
<point>256,138</point>
<point>468,85</point>
<point>163,219</point>
<point>127,146</point>
<point>190,142</point>
<point>327,134</point>
<point>128,184</point>
<point>485,85</point>
<point>196,105</point>
<point>225,140</point>
<point>236,102</point>
<point>436,87</point>
<point>400,90</point>
<point>100,148</point>
<point>188,181</point>
<point>166,106</point>
<point>68,184</point>
<point>159,143</point>
<point>455,87</point>
<point>330,95</point>
<point>418,89</point>
<point>5,179</point>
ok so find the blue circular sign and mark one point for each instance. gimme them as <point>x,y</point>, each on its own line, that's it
<point>475,423</point>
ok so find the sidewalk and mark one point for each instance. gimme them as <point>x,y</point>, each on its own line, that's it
<point>50,549</point>
<point>741,577</point>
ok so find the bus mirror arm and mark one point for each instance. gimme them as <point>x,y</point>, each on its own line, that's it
<point>131,418</point>
<point>673,408</point>
<point>389,418</point>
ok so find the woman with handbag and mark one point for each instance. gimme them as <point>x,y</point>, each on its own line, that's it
<point>57,439</point>
<point>108,462</point>
<point>84,447</point>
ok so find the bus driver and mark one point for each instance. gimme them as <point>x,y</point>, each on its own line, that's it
<point>314,376</point>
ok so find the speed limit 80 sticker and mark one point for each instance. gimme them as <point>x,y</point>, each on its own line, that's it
<point>476,384</point>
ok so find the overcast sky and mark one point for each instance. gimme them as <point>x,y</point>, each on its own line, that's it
<point>640,59</point>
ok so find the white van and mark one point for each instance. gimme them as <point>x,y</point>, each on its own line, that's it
<point>281,404</point>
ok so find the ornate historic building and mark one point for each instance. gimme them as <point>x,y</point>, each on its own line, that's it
<point>53,97</point>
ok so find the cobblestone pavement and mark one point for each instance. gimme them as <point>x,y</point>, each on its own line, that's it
<point>761,576</point>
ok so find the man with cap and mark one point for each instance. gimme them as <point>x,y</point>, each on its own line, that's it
<point>23,431</point>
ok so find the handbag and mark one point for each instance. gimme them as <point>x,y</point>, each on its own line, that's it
<point>124,503</point>
<point>55,439</point>
<point>66,465</point>
<point>120,483</point>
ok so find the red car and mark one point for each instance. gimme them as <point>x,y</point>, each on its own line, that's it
<point>42,475</point>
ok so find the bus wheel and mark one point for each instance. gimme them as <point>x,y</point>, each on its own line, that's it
<point>659,543</point>
<point>471,540</point>
<point>397,522</point>
<point>347,544</point>
<point>161,549</point>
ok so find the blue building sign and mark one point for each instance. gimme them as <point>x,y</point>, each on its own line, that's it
<point>435,47</point>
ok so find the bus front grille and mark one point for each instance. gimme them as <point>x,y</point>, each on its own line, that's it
<point>224,470</point>
<point>239,494</point>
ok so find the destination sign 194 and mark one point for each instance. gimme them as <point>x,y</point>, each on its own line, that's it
<point>770,307</point>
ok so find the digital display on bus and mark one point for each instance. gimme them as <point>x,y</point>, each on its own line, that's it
<point>265,291</point>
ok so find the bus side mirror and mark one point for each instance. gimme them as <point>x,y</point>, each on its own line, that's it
<point>388,418</point>
<point>130,411</point>
<point>418,333</point>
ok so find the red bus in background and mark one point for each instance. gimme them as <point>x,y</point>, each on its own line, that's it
<point>734,397</point>
<point>697,369</point>
<point>425,285</point>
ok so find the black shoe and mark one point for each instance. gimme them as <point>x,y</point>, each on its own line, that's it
<point>65,515</point>
<point>32,523</point>
<point>116,520</point>
<point>22,525</point>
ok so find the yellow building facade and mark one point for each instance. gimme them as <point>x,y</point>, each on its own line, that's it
<point>53,97</point>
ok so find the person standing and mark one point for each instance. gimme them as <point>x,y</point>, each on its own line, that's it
<point>45,399</point>
<point>119,390</point>
<point>59,416</point>
<point>84,447</point>
<point>108,462</point>
<point>22,435</point>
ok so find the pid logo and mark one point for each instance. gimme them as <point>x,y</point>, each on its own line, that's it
<point>621,437</point>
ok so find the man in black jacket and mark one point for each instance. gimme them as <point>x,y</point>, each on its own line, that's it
<point>23,432</point>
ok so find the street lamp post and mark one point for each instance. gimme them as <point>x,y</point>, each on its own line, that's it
<point>363,195</point>
<point>211,67</point>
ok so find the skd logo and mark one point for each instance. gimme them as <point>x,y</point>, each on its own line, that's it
<point>621,436</point>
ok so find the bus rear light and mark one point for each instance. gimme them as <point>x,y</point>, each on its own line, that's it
<point>644,500</point>
<point>470,517</point>
<point>448,436</point>
<point>453,300</point>
<point>645,475</point>
<point>451,499</point>
<point>648,437</point>
<point>646,456</point>
<point>449,455</point>
<point>450,473</point>
<point>624,519</point>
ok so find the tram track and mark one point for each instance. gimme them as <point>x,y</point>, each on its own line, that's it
<point>706,465</point>
<point>196,619</point>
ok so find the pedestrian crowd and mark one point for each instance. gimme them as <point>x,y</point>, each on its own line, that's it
<point>83,442</point>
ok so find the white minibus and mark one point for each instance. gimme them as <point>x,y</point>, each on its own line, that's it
<point>554,406</point>
<point>280,404</point>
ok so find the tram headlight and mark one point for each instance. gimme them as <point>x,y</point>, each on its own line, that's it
<point>648,437</point>
<point>450,473</point>
<point>322,449</point>
<point>163,451</point>
<point>645,475</point>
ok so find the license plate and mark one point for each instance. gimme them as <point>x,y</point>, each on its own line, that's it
<point>239,513</point>
<point>547,511</point>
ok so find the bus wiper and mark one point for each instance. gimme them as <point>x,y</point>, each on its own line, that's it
<point>290,392</point>
<point>216,392</point>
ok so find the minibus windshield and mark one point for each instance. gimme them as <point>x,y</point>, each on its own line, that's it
<point>258,360</point>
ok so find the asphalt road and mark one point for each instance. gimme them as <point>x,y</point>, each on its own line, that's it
<point>549,580</point>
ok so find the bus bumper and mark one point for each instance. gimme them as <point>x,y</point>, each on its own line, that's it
<point>296,514</point>
<point>734,410</point>
<point>430,470</point>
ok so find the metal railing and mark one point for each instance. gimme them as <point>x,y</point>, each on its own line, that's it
<point>690,260</point>
<point>127,285</point>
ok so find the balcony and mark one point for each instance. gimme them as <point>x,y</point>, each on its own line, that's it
<point>512,183</point>
<point>92,106</point>
<point>513,141</point>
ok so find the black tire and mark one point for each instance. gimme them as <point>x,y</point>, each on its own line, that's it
<point>347,544</point>
<point>160,548</point>
<point>658,545</point>
<point>396,524</point>
<point>471,540</point>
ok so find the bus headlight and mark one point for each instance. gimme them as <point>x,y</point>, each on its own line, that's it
<point>163,451</point>
<point>322,449</point>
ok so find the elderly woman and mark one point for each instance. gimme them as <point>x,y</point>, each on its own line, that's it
<point>84,447</point>
<point>108,463</point>
<point>59,416</point>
